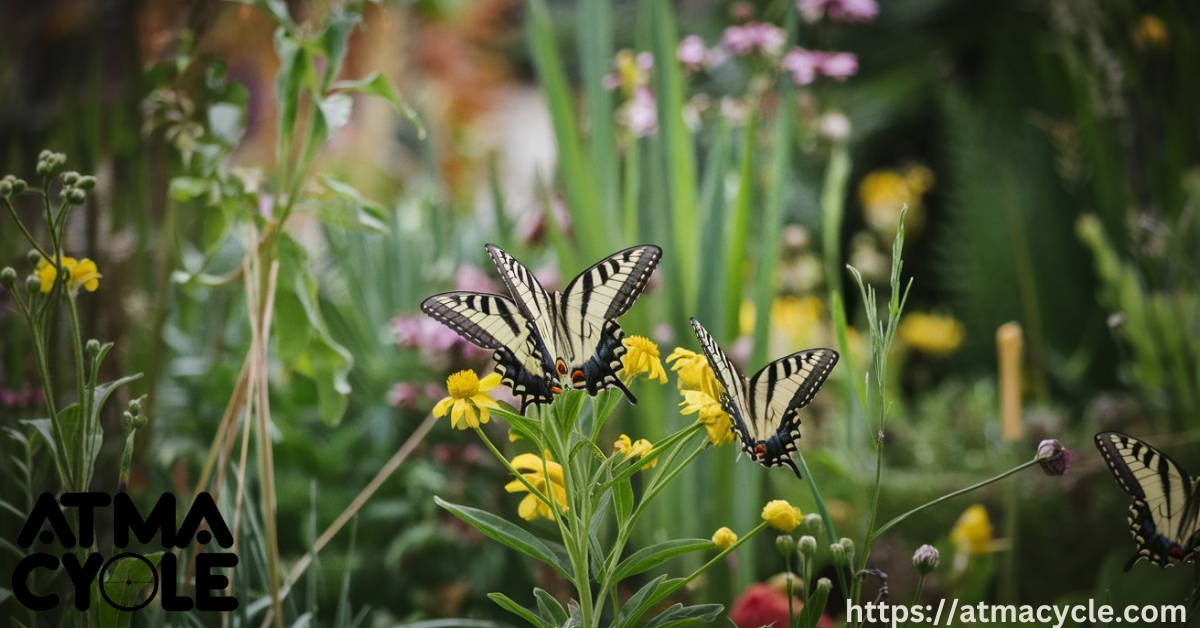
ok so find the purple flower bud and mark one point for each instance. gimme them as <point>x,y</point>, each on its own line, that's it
<point>692,53</point>
<point>1053,457</point>
<point>926,559</point>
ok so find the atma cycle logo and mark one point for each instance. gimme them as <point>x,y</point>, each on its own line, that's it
<point>122,577</point>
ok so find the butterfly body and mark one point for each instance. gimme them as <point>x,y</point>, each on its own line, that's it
<point>764,410</point>
<point>543,341</point>
<point>580,341</point>
<point>1164,518</point>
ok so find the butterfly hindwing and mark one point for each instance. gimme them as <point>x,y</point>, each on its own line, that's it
<point>1163,517</point>
<point>494,322</point>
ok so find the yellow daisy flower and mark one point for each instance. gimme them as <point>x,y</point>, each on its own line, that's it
<point>708,411</point>
<point>540,473</point>
<point>642,357</point>
<point>931,333</point>
<point>468,395</point>
<point>693,371</point>
<point>83,274</point>
<point>972,534</point>
<point>632,449</point>
<point>781,515</point>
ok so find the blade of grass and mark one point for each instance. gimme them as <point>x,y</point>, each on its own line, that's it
<point>739,230</point>
<point>595,28</point>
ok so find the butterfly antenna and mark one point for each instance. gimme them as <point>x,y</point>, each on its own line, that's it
<point>788,462</point>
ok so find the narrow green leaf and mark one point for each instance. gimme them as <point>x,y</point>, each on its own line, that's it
<point>45,428</point>
<point>648,558</point>
<point>680,615</point>
<point>739,229</point>
<point>814,607</point>
<point>623,500</point>
<point>595,28</point>
<point>503,601</point>
<point>506,533</point>
<point>127,570</point>
<point>375,84</point>
<point>335,41</point>
<point>771,227</point>
<point>550,608</point>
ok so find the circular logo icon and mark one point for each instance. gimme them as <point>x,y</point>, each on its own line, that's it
<point>123,578</point>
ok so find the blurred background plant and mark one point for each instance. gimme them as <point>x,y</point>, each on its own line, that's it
<point>1047,155</point>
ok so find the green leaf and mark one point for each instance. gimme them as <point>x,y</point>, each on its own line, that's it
<point>623,500</point>
<point>520,611</point>
<point>335,41</point>
<point>639,603</point>
<point>648,558</point>
<point>333,114</point>
<point>508,534</point>
<point>130,569</point>
<point>550,608</point>
<point>814,607</point>
<point>292,60</point>
<point>375,84</point>
<point>45,428</point>
<point>680,615</point>
<point>347,208</point>
<point>186,189</point>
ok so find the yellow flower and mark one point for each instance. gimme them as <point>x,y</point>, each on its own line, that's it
<point>634,449</point>
<point>781,515</point>
<point>693,372</point>
<point>931,333</point>
<point>642,357</point>
<point>724,538</point>
<point>884,192</point>
<point>83,273</point>
<point>795,321</point>
<point>539,473</point>
<point>1150,32</point>
<point>468,394</point>
<point>710,413</point>
<point>972,534</point>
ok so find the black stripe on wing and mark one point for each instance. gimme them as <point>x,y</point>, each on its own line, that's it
<point>783,387</point>
<point>1163,517</point>
<point>493,322</point>
<point>607,289</point>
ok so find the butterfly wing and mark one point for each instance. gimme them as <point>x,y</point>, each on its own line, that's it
<point>782,388</point>
<point>733,395</point>
<point>1163,517</point>
<point>589,308</point>
<point>494,322</point>
<point>532,300</point>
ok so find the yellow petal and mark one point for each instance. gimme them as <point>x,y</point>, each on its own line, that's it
<point>456,414</point>
<point>442,407</point>
<point>489,382</point>
<point>528,507</point>
<point>484,401</point>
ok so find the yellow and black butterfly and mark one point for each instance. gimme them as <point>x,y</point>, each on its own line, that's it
<point>1164,517</point>
<point>765,410</point>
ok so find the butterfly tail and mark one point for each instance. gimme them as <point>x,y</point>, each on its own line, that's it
<point>788,462</point>
<point>621,385</point>
<point>1133,561</point>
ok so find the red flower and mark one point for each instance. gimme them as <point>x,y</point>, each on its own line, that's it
<point>764,605</point>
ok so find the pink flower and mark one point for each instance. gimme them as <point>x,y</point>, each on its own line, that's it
<point>754,37</point>
<point>838,10</point>
<point>803,64</point>
<point>839,65</point>
<point>692,53</point>
<point>640,114</point>
<point>853,10</point>
<point>8,398</point>
<point>807,65</point>
<point>404,395</point>
<point>424,333</point>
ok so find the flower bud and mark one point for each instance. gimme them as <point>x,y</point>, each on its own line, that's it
<point>1053,457</point>
<point>33,284</point>
<point>838,553</point>
<point>5,187</point>
<point>926,559</point>
<point>18,186</point>
<point>127,421</point>
<point>86,182</point>
<point>34,257</point>
<point>75,196</point>
<point>8,277</point>
<point>785,544</point>
<point>70,178</point>
<point>724,538</point>
<point>808,546</point>
<point>848,547</point>
<point>135,405</point>
<point>824,585</point>
<point>93,347</point>
<point>812,524</point>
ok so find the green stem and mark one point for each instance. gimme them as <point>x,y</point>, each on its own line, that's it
<point>887,526</point>
<point>83,478</point>
<point>28,236</point>
<point>822,509</point>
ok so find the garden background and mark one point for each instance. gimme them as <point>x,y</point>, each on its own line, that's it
<point>278,185</point>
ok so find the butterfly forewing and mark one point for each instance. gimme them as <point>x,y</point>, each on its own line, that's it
<point>531,298</point>
<point>494,322</point>
<point>784,386</point>
<point>1164,518</point>
<point>727,374</point>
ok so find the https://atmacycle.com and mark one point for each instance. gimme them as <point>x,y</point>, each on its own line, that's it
<point>1057,615</point>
